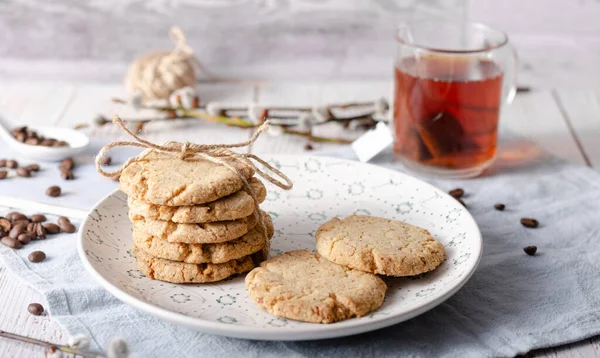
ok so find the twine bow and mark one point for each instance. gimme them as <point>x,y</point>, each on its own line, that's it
<point>216,153</point>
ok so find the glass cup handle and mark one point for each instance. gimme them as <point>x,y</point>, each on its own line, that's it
<point>510,74</point>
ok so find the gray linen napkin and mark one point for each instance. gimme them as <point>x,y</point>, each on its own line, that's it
<point>512,304</point>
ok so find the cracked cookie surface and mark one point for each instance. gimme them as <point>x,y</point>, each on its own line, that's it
<point>180,272</point>
<point>252,242</point>
<point>234,206</point>
<point>378,245</point>
<point>304,286</point>
<point>203,233</point>
<point>165,179</point>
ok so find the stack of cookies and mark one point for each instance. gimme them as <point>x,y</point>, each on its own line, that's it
<point>194,220</point>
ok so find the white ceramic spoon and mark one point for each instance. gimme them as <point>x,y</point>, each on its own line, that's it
<point>77,141</point>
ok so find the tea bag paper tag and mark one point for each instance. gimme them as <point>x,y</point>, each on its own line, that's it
<point>373,142</point>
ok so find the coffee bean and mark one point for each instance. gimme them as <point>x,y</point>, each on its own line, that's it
<point>51,228</point>
<point>38,218</point>
<point>456,193</point>
<point>16,231</point>
<point>308,146</point>
<point>67,164</point>
<point>499,207</point>
<point>48,142</point>
<point>40,231</point>
<point>106,160</point>
<point>23,172</point>
<point>37,256</point>
<point>53,191</point>
<point>23,222</point>
<point>67,175</point>
<point>11,242</point>
<point>33,167</point>
<point>2,163</point>
<point>30,227</point>
<point>3,174</point>
<point>32,141</point>
<point>530,250</point>
<point>530,223</point>
<point>35,309</point>
<point>5,225</point>
<point>63,219</point>
<point>67,227</point>
<point>26,238</point>
<point>14,216</point>
<point>12,164</point>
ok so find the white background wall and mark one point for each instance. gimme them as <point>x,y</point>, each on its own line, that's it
<point>558,41</point>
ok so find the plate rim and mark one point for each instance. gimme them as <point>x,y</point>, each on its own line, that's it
<point>325,331</point>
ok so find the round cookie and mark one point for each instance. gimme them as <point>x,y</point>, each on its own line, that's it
<point>165,179</point>
<point>203,233</point>
<point>180,272</point>
<point>304,286</point>
<point>252,242</point>
<point>379,245</point>
<point>234,206</point>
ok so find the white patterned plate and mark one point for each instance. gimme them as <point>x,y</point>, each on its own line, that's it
<point>323,188</point>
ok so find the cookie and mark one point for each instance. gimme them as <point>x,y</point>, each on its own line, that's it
<point>254,241</point>
<point>203,233</point>
<point>165,179</point>
<point>304,286</point>
<point>234,206</point>
<point>379,245</point>
<point>181,272</point>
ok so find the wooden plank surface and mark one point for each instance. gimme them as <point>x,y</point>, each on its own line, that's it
<point>537,116</point>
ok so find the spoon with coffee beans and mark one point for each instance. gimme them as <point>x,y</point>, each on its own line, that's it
<point>44,143</point>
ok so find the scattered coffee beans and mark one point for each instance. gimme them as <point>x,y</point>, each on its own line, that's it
<point>5,225</point>
<point>51,228</point>
<point>33,167</point>
<point>12,164</point>
<point>3,174</point>
<point>17,230</point>
<point>499,207</point>
<point>67,164</point>
<point>26,238</point>
<point>67,175</point>
<point>14,216</point>
<point>106,160</point>
<point>530,223</point>
<point>530,250</point>
<point>23,172</point>
<point>35,309</point>
<point>11,242</point>
<point>28,136</point>
<point>37,256</point>
<point>40,231</point>
<point>456,193</point>
<point>38,218</point>
<point>53,191</point>
<point>66,226</point>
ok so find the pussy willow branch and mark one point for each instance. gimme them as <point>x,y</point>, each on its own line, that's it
<point>48,345</point>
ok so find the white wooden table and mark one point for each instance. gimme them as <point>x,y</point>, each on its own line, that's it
<point>565,122</point>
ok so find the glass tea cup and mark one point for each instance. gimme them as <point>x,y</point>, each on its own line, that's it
<point>451,81</point>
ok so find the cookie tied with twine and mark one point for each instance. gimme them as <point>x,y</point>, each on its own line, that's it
<point>219,154</point>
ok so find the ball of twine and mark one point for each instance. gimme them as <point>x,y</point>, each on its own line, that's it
<point>158,74</point>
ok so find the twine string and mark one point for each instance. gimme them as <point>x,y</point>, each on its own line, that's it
<point>219,154</point>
